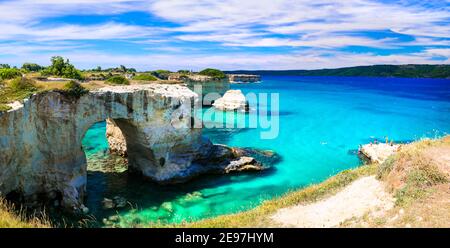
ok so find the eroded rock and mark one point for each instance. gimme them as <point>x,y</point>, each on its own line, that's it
<point>232,100</point>
<point>40,141</point>
<point>41,150</point>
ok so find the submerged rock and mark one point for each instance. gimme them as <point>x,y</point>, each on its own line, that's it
<point>243,164</point>
<point>116,202</point>
<point>108,203</point>
<point>232,100</point>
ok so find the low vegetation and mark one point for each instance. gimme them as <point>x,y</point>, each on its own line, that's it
<point>9,73</point>
<point>411,173</point>
<point>32,67</point>
<point>218,74</point>
<point>145,77</point>
<point>118,80</point>
<point>162,74</point>
<point>12,218</point>
<point>61,68</point>
<point>259,216</point>
<point>74,89</point>
<point>16,89</point>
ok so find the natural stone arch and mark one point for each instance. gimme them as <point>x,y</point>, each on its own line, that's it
<point>48,130</point>
<point>41,141</point>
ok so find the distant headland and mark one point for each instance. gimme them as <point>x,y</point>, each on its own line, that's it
<point>406,71</point>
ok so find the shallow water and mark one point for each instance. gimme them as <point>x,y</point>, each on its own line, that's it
<point>323,120</point>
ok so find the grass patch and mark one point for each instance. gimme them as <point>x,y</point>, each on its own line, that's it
<point>73,89</point>
<point>418,184</point>
<point>386,167</point>
<point>214,73</point>
<point>145,77</point>
<point>411,173</point>
<point>12,218</point>
<point>4,107</point>
<point>9,73</point>
<point>15,90</point>
<point>117,80</point>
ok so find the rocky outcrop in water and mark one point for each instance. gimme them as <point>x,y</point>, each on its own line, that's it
<point>243,78</point>
<point>379,152</point>
<point>116,140</point>
<point>232,100</point>
<point>41,150</point>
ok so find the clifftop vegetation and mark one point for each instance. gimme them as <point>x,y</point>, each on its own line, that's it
<point>120,80</point>
<point>215,73</point>
<point>61,68</point>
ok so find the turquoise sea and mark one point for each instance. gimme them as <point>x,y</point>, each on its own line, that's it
<point>322,120</point>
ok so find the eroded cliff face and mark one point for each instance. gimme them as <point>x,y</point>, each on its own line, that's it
<point>41,140</point>
<point>211,89</point>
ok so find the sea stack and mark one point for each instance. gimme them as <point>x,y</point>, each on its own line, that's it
<point>232,100</point>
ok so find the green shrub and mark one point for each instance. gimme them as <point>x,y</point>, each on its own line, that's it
<point>145,77</point>
<point>218,74</point>
<point>118,80</point>
<point>4,107</point>
<point>386,167</point>
<point>9,73</point>
<point>31,67</point>
<point>162,74</point>
<point>62,68</point>
<point>74,89</point>
<point>22,84</point>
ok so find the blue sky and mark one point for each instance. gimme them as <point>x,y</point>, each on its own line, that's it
<point>231,34</point>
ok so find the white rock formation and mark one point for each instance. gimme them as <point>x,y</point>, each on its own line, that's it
<point>378,152</point>
<point>41,149</point>
<point>232,100</point>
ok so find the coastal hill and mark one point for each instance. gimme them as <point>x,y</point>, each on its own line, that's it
<point>407,71</point>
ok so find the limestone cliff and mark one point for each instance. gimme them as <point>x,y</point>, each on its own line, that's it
<point>211,88</point>
<point>41,149</point>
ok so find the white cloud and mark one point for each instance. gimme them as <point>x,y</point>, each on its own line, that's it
<point>310,59</point>
<point>322,26</point>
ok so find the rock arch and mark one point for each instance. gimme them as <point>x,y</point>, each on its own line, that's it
<point>41,149</point>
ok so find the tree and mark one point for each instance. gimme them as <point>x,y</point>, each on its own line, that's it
<point>61,68</point>
<point>57,66</point>
<point>122,68</point>
<point>32,67</point>
<point>4,66</point>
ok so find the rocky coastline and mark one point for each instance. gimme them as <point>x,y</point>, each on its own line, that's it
<point>41,151</point>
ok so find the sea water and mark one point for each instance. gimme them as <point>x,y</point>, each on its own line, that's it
<point>322,122</point>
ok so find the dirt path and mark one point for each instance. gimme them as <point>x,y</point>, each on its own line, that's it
<point>365,195</point>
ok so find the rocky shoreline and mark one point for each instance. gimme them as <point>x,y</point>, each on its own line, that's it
<point>41,151</point>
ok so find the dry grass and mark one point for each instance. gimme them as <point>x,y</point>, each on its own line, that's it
<point>260,216</point>
<point>418,176</point>
<point>11,218</point>
<point>412,171</point>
